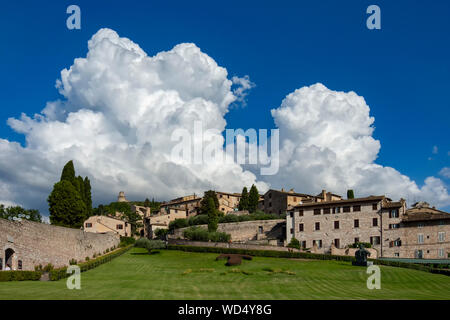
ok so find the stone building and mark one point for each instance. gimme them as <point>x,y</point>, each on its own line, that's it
<point>278,202</point>
<point>26,244</point>
<point>104,224</point>
<point>162,220</point>
<point>121,197</point>
<point>424,233</point>
<point>189,204</point>
<point>340,223</point>
<point>228,202</point>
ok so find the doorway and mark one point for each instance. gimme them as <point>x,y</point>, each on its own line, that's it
<point>9,254</point>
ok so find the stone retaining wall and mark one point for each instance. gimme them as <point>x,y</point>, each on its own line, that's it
<point>37,243</point>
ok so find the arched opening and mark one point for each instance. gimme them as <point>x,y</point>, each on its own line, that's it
<point>142,232</point>
<point>9,254</point>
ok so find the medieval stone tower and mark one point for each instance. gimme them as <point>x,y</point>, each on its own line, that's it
<point>121,197</point>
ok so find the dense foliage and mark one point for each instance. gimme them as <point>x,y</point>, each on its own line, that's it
<point>294,244</point>
<point>70,202</point>
<point>150,244</point>
<point>243,203</point>
<point>10,213</point>
<point>202,234</point>
<point>253,199</point>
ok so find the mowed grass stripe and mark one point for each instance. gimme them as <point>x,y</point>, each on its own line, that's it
<point>138,275</point>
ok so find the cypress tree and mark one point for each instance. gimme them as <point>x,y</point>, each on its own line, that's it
<point>253,199</point>
<point>350,194</point>
<point>68,172</point>
<point>213,217</point>
<point>204,203</point>
<point>243,203</point>
<point>88,195</point>
<point>66,207</point>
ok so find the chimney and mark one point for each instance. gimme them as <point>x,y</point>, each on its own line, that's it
<point>324,195</point>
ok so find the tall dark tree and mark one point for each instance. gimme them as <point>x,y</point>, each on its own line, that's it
<point>204,203</point>
<point>68,172</point>
<point>253,199</point>
<point>147,203</point>
<point>66,207</point>
<point>213,216</point>
<point>350,194</point>
<point>87,195</point>
<point>243,203</point>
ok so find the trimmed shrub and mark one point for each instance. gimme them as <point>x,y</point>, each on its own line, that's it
<point>294,244</point>
<point>356,245</point>
<point>201,234</point>
<point>48,268</point>
<point>61,273</point>
<point>178,223</point>
<point>219,237</point>
<point>126,241</point>
<point>150,244</point>
<point>72,262</point>
<point>20,275</point>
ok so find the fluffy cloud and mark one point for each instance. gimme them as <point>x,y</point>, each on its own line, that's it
<point>445,172</point>
<point>121,106</point>
<point>326,142</point>
<point>119,109</point>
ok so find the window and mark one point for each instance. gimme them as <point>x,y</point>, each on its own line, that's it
<point>270,204</point>
<point>356,223</point>
<point>441,236</point>
<point>420,225</point>
<point>292,230</point>
<point>420,238</point>
<point>300,227</point>
<point>346,209</point>
<point>441,253</point>
<point>336,224</point>
<point>291,214</point>
<point>318,243</point>
<point>119,226</point>
<point>356,240</point>
<point>393,213</point>
<point>300,213</point>
<point>356,208</point>
<point>295,199</point>
<point>317,226</point>
<point>394,226</point>
<point>338,209</point>
<point>326,210</point>
<point>316,212</point>
<point>1,264</point>
<point>303,244</point>
<point>375,222</point>
<point>396,254</point>
<point>375,240</point>
<point>398,243</point>
<point>19,264</point>
<point>260,229</point>
<point>336,243</point>
<point>88,225</point>
<point>374,206</point>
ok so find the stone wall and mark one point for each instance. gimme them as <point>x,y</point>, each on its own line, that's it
<point>37,243</point>
<point>247,230</point>
<point>245,246</point>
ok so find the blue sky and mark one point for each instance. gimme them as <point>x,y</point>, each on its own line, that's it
<point>402,70</point>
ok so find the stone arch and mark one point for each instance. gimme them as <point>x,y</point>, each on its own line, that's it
<point>9,258</point>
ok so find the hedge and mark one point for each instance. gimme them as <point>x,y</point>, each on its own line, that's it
<point>61,273</point>
<point>262,253</point>
<point>306,255</point>
<point>19,275</point>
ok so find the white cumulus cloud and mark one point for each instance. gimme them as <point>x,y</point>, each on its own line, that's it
<point>115,121</point>
<point>326,142</point>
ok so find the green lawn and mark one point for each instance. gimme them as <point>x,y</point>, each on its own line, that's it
<point>137,275</point>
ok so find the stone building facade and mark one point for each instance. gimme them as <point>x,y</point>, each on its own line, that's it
<point>25,244</point>
<point>279,201</point>
<point>104,224</point>
<point>424,234</point>
<point>340,223</point>
<point>228,202</point>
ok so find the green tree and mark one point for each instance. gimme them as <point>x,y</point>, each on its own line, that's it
<point>204,204</point>
<point>68,172</point>
<point>253,199</point>
<point>147,203</point>
<point>88,195</point>
<point>213,216</point>
<point>243,203</point>
<point>18,212</point>
<point>66,207</point>
<point>350,194</point>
